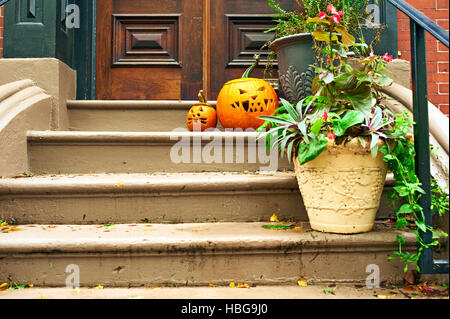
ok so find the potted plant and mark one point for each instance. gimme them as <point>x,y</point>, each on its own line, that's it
<point>294,44</point>
<point>343,140</point>
<point>334,136</point>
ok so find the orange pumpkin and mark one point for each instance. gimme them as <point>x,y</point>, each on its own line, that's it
<point>242,101</point>
<point>201,115</point>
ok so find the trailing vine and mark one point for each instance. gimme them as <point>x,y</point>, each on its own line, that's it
<point>407,192</point>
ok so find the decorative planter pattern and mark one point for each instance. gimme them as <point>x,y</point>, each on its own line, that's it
<point>342,188</point>
<point>295,54</point>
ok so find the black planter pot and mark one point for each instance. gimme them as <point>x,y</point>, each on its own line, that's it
<point>295,54</point>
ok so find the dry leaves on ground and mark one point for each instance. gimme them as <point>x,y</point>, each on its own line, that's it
<point>274,218</point>
<point>5,228</point>
<point>302,282</point>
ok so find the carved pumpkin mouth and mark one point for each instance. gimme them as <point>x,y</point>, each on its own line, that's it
<point>202,120</point>
<point>253,106</point>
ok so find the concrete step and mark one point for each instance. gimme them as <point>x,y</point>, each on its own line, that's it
<point>157,198</point>
<point>129,116</point>
<point>196,295</point>
<point>194,255</point>
<point>53,152</point>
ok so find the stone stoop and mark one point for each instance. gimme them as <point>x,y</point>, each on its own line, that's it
<point>176,224</point>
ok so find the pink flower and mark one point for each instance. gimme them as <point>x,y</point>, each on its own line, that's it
<point>325,115</point>
<point>331,135</point>
<point>322,15</point>
<point>331,9</point>
<point>341,13</point>
<point>387,58</point>
<point>336,18</point>
<point>328,60</point>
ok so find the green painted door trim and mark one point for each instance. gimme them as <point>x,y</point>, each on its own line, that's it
<point>84,50</point>
<point>33,30</point>
<point>37,29</point>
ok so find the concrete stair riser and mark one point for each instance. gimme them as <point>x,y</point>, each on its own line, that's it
<point>194,254</point>
<point>129,116</point>
<point>170,198</point>
<point>109,152</point>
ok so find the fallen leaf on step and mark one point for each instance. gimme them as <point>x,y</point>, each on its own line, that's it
<point>279,227</point>
<point>212,285</point>
<point>119,184</point>
<point>10,229</point>
<point>98,287</point>
<point>274,218</point>
<point>245,172</point>
<point>232,284</point>
<point>329,291</point>
<point>21,287</point>
<point>20,176</point>
<point>42,297</point>
<point>243,286</point>
<point>4,286</point>
<point>383,297</point>
<point>297,228</point>
<point>51,226</point>
<point>77,290</point>
<point>302,282</point>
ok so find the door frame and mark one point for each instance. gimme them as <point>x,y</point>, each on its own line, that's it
<point>85,54</point>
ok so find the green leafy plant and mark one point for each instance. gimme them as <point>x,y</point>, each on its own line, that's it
<point>407,191</point>
<point>347,101</point>
<point>347,104</point>
<point>291,22</point>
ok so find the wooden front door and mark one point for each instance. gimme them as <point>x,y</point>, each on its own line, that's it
<point>171,49</point>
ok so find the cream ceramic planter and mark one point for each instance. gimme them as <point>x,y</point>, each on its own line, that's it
<point>342,188</point>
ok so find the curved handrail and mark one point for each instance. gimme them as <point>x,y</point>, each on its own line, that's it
<point>418,17</point>
<point>438,122</point>
<point>400,100</point>
<point>2,2</point>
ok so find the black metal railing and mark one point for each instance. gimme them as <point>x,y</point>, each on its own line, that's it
<point>420,24</point>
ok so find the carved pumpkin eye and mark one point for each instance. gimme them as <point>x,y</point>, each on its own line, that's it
<point>262,88</point>
<point>241,91</point>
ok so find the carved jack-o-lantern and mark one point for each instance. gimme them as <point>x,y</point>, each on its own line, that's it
<point>242,101</point>
<point>201,115</point>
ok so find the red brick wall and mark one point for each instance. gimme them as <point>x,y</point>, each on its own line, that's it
<point>437,54</point>
<point>1,32</point>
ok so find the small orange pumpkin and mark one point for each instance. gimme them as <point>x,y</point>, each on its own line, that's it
<point>201,115</point>
<point>242,101</point>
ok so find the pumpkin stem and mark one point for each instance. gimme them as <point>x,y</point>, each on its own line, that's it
<point>202,97</point>
<point>252,67</point>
